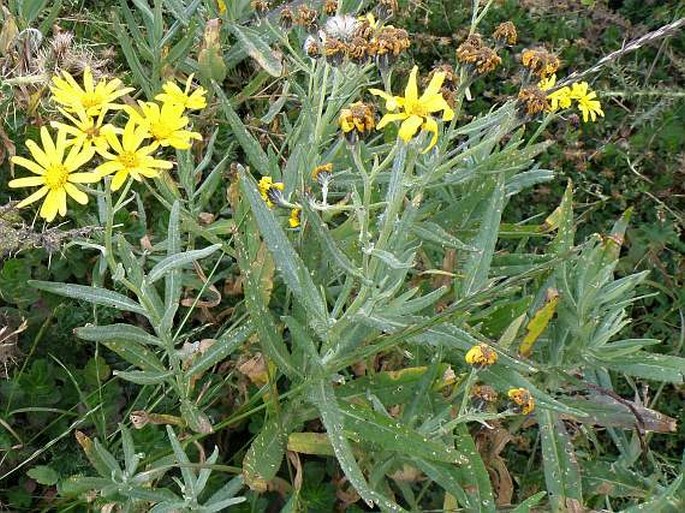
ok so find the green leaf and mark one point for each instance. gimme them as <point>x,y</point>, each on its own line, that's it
<point>289,263</point>
<point>196,419</point>
<point>256,48</point>
<point>173,279</point>
<point>263,459</point>
<point>531,501</point>
<point>44,475</point>
<point>117,332</point>
<point>135,354</point>
<point>366,425</point>
<point>477,265</point>
<point>473,476</point>
<point>253,151</point>
<point>562,473</point>
<point>95,295</point>
<point>145,377</point>
<point>222,348</point>
<point>324,399</point>
<point>173,262</point>
<point>648,366</point>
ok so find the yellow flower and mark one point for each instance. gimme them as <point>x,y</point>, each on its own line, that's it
<point>416,110</point>
<point>129,159</point>
<point>56,174</point>
<point>294,219</point>
<point>522,399</point>
<point>270,191</point>
<point>191,101</point>
<point>481,355</point>
<point>87,130</point>
<point>93,98</point>
<point>559,99</point>
<point>166,125</point>
<point>587,102</point>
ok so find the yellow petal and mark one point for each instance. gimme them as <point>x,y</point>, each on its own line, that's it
<point>411,92</point>
<point>434,86</point>
<point>28,181</point>
<point>389,118</point>
<point>48,144</point>
<point>50,206</point>
<point>38,154</point>
<point>28,164</point>
<point>33,197</point>
<point>409,127</point>
<point>78,195</point>
<point>119,179</point>
<point>430,125</point>
<point>91,177</point>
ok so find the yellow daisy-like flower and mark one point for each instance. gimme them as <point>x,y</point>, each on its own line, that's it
<point>55,174</point>
<point>294,219</point>
<point>86,130</point>
<point>128,158</point>
<point>92,97</point>
<point>587,102</point>
<point>191,101</point>
<point>481,355</point>
<point>165,124</point>
<point>559,99</point>
<point>522,400</point>
<point>271,192</point>
<point>416,110</point>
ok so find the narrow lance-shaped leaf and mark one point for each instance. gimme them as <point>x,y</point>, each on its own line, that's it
<point>562,474</point>
<point>177,261</point>
<point>539,322</point>
<point>95,295</point>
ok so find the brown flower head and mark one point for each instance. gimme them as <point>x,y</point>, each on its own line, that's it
<point>307,17</point>
<point>330,7</point>
<point>357,120</point>
<point>533,100</point>
<point>386,8</point>
<point>358,50</point>
<point>260,6</point>
<point>286,17</point>
<point>312,47</point>
<point>486,60</point>
<point>482,396</point>
<point>388,44</point>
<point>505,34</point>
<point>467,52</point>
<point>540,62</point>
<point>334,50</point>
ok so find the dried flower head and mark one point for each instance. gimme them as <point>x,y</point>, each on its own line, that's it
<point>330,7</point>
<point>533,100</point>
<point>388,44</point>
<point>357,120</point>
<point>386,8</point>
<point>312,47</point>
<point>286,17</point>
<point>260,6</point>
<point>486,60</point>
<point>540,62</point>
<point>271,192</point>
<point>481,355</point>
<point>483,397</point>
<point>306,17</point>
<point>358,50</point>
<point>523,401</point>
<point>505,34</point>
<point>467,52</point>
<point>334,50</point>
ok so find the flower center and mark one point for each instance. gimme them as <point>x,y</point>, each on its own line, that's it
<point>128,159</point>
<point>56,176</point>
<point>89,100</point>
<point>159,131</point>
<point>415,109</point>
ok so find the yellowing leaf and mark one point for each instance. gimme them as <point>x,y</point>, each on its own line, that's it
<point>539,322</point>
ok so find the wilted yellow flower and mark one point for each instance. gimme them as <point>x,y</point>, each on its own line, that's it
<point>505,33</point>
<point>87,130</point>
<point>165,124</point>
<point>587,102</point>
<point>481,355</point>
<point>416,111</point>
<point>93,98</point>
<point>541,62</point>
<point>294,219</point>
<point>128,158</point>
<point>357,120</point>
<point>323,169</point>
<point>174,95</point>
<point>56,176</point>
<point>270,191</point>
<point>522,399</point>
<point>534,100</point>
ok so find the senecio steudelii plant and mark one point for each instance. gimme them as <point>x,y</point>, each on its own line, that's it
<point>388,316</point>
